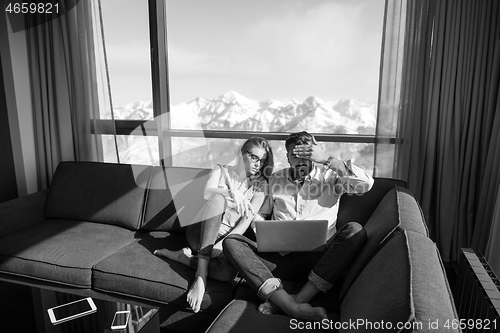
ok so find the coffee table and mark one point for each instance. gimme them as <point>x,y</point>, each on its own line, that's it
<point>142,319</point>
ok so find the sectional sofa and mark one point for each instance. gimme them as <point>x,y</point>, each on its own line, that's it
<point>93,233</point>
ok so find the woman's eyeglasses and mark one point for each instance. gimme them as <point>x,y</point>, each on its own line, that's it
<point>255,158</point>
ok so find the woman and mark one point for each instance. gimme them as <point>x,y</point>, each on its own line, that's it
<point>234,194</point>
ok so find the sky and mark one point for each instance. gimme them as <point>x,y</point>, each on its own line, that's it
<point>263,49</point>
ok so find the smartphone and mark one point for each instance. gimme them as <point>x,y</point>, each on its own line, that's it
<point>120,320</point>
<point>72,310</point>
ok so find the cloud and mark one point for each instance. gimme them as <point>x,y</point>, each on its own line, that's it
<point>326,49</point>
<point>317,45</point>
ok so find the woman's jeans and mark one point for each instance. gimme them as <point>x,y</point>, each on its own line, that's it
<point>263,270</point>
<point>202,236</point>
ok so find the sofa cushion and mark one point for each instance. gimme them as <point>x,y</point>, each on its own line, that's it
<point>408,285</point>
<point>135,271</point>
<point>384,221</point>
<point>349,203</point>
<point>98,192</point>
<point>397,211</point>
<point>431,294</point>
<point>383,291</point>
<point>61,251</point>
<point>174,198</point>
<point>410,213</point>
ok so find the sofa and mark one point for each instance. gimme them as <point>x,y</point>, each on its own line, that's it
<point>94,230</point>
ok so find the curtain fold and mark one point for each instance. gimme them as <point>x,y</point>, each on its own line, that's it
<point>446,146</point>
<point>64,89</point>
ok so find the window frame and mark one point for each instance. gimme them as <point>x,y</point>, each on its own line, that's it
<point>161,101</point>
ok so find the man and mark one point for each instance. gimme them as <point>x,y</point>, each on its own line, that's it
<point>310,189</point>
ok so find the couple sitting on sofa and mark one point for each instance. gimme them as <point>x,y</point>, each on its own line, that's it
<point>309,189</point>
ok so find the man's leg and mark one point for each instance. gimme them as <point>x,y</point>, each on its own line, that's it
<point>262,270</point>
<point>342,250</point>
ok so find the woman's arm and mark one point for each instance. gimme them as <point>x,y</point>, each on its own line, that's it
<point>212,185</point>
<point>244,222</point>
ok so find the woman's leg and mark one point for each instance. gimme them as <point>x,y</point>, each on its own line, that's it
<point>201,238</point>
<point>201,235</point>
<point>219,268</point>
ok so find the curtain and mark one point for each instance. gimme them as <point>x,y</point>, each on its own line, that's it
<point>446,144</point>
<point>64,88</point>
<point>493,242</point>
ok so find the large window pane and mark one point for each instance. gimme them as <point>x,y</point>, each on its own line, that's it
<point>132,149</point>
<point>275,66</point>
<point>206,153</point>
<point>126,31</point>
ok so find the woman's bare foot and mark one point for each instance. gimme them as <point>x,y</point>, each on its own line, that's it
<point>196,292</point>
<point>183,255</point>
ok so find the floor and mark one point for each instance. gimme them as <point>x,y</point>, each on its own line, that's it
<point>16,310</point>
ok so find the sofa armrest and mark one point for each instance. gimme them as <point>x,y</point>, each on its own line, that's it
<point>22,212</point>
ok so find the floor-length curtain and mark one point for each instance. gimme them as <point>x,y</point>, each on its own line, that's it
<point>64,88</point>
<point>446,148</point>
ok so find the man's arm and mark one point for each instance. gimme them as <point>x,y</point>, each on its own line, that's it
<point>352,178</point>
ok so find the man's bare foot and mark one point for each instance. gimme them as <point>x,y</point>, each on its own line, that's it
<point>269,308</point>
<point>291,307</point>
<point>305,311</point>
<point>196,292</point>
<point>183,255</point>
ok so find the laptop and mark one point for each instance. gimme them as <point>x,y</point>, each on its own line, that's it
<point>291,235</point>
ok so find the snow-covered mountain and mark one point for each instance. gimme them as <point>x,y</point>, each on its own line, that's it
<point>233,111</point>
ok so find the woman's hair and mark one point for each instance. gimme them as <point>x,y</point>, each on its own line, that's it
<point>256,141</point>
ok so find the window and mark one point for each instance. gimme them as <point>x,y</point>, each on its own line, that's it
<point>127,46</point>
<point>243,68</point>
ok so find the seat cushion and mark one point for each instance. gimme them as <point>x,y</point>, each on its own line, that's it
<point>242,316</point>
<point>175,198</point>
<point>62,251</point>
<point>135,271</point>
<point>407,283</point>
<point>99,192</point>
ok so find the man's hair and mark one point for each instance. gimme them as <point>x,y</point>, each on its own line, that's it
<point>298,138</point>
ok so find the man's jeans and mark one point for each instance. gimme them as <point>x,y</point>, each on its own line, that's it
<point>262,270</point>
<point>202,236</point>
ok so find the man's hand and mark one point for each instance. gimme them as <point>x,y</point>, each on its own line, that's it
<point>311,152</point>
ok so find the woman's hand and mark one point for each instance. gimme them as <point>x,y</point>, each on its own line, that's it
<point>243,206</point>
